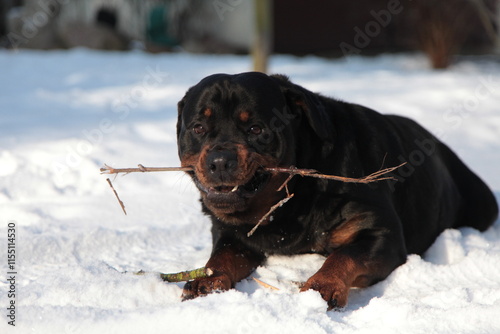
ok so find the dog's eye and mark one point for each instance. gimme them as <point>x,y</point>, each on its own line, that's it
<point>255,130</point>
<point>199,129</point>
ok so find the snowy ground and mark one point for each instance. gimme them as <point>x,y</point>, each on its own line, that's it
<point>65,114</point>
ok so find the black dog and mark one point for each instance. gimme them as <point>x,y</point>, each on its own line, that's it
<point>231,127</point>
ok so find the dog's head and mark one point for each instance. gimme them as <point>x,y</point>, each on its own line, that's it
<point>231,127</point>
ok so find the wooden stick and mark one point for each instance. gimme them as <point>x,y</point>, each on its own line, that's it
<point>271,210</point>
<point>116,195</point>
<point>292,171</point>
<point>183,276</point>
<point>110,170</point>
<point>374,177</point>
<point>265,285</point>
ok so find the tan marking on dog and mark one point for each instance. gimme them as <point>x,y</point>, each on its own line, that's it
<point>347,231</point>
<point>244,116</point>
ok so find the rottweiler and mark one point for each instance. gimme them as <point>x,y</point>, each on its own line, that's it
<point>232,128</point>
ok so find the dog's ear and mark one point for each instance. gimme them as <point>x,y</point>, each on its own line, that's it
<point>309,104</point>
<point>180,108</point>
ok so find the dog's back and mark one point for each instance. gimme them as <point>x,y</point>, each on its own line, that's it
<point>459,197</point>
<point>480,208</point>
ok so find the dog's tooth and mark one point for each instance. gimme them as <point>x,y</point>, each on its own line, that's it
<point>234,189</point>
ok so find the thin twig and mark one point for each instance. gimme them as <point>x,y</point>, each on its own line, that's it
<point>285,184</point>
<point>117,197</point>
<point>265,285</point>
<point>110,170</point>
<point>374,177</point>
<point>271,210</point>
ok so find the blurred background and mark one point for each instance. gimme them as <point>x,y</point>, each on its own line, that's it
<point>439,28</point>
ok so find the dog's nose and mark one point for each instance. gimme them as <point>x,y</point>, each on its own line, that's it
<point>222,161</point>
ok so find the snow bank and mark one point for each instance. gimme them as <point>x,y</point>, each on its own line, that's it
<point>64,114</point>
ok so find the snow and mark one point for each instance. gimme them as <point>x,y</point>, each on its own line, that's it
<point>66,113</point>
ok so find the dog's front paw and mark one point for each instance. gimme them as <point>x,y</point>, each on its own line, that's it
<point>332,289</point>
<point>203,286</point>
